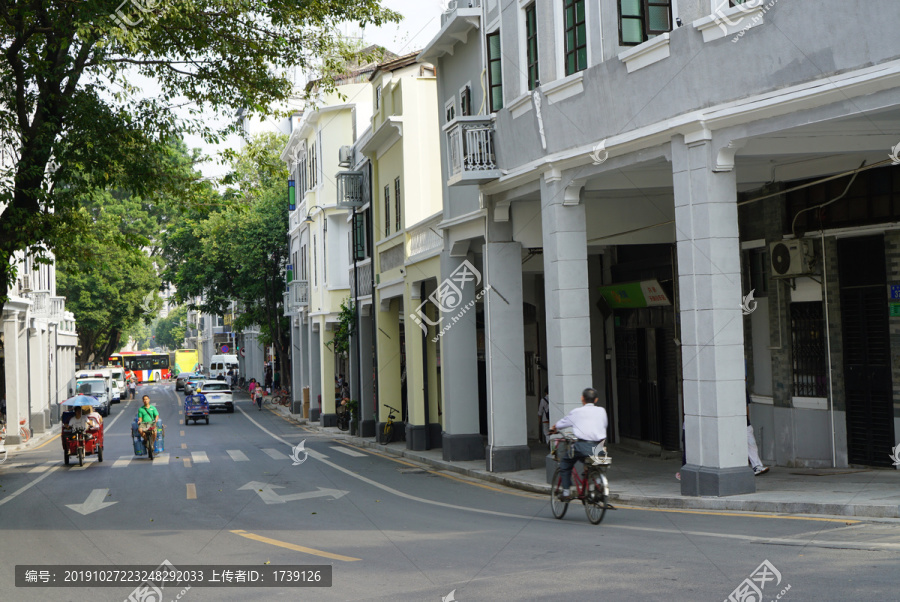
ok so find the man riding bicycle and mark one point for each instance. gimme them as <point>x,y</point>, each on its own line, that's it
<point>147,415</point>
<point>588,424</point>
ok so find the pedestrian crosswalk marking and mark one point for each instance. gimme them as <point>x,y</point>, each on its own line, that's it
<point>237,455</point>
<point>122,461</point>
<point>275,454</point>
<point>85,467</point>
<point>42,467</point>
<point>161,460</point>
<point>199,457</point>
<point>348,451</point>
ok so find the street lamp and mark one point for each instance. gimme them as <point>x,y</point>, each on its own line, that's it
<point>308,219</point>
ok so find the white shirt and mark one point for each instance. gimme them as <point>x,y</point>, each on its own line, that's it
<point>588,422</point>
<point>79,422</point>
<point>544,409</point>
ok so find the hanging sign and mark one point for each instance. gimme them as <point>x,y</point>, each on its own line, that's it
<point>631,295</point>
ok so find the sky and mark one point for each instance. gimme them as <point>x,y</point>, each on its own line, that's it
<point>421,22</point>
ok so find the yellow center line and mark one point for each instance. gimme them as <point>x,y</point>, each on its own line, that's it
<point>181,422</point>
<point>742,514</point>
<point>191,491</point>
<point>53,438</point>
<point>296,548</point>
<point>181,433</point>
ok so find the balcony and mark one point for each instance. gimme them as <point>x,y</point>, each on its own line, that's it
<point>470,150</point>
<point>40,303</point>
<point>364,276</point>
<point>351,190</point>
<point>299,292</point>
<point>460,18</point>
<point>424,239</point>
<point>57,308</point>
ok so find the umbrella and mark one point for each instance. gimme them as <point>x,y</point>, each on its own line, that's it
<point>81,400</point>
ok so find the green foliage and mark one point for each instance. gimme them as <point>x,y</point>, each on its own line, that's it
<point>79,117</point>
<point>169,331</point>
<point>346,327</point>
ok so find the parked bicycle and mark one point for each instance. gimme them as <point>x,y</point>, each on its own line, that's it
<point>590,486</point>
<point>24,433</point>
<point>387,433</point>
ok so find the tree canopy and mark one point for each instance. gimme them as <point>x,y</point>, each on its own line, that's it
<point>88,98</point>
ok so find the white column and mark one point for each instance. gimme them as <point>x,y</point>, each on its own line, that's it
<point>15,389</point>
<point>712,333</point>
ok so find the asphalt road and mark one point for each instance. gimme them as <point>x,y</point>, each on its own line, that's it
<point>230,493</point>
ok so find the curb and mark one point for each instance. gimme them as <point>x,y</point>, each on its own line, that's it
<point>658,502</point>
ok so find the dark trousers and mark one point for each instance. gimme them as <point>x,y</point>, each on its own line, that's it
<point>583,449</point>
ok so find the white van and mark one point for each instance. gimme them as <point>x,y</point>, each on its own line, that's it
<point>118,375</point>
<point>114,393</point>
<point>221,364</point>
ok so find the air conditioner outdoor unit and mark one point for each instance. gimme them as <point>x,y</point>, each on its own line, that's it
<point>26,283</point>
<point>790,258</point>
<point>345,156</point>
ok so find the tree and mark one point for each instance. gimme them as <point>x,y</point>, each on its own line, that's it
<point>237,252</point>
<point>169,331</point>
<point>76,118</point>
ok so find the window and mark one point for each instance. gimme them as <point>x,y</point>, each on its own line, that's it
<point>575,36</point>
<point>359,227</point>
<point>397,214</point>
<point>531,46</point>
<point>313,171</point>
<point>387,210</point>
<point>314,266</point>
<point>450,111</point>
<point>640,20</point>
<point>465,101</point>
<point>495,72</point>
<point>378,97</point>
<point>302,170</point>
<point>808,350</point>
<point>759,268</point>
<point>303,262</point>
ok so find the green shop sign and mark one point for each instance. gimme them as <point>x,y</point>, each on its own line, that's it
<point>632,295</point>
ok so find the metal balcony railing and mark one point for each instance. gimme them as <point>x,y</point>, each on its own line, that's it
<point>350,189</point>
<point>364,276</point>
<point>299,290</point>
<point>470,145</point>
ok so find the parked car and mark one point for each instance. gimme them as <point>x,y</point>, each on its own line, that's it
<point>95,387</point>
<point>182,378</point>
<point>218,394</point>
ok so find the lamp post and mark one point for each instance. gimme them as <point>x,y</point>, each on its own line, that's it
<point>358,361</point>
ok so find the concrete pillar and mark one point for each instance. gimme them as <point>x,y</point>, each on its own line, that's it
<point>504,349</point>
<point>567,298</point>
<point>315,372</point>
<point>367,396</point>
<point>387,341</point>
<point>15,386</point>
<point>326,375</point>
<point>416,429</point>
<point>461,438</point>
<point>712,335</point>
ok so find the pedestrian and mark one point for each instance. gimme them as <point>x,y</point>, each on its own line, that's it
<point>276,380</point>
<point>753,450</point>
<point>132,388</point>
<point>228,378</point>
<point>544,415</point>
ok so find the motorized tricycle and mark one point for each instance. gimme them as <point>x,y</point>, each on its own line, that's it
<point>80,442</point>
<point>150,440</point>
<point>196,408</point>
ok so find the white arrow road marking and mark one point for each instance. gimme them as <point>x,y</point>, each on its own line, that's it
<point>275,454</point>
<point>348,451</point>
<point>199,457</point>
<point>237,455</point>
<point>93,503</point>
<point>268,494</point>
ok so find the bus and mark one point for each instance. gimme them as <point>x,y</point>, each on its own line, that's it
<point>144,366</point>
<point>186,360</point>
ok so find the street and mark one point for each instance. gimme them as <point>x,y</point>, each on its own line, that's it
<point>229,493</point>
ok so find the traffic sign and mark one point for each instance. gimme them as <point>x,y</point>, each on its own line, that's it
<point>225,348</point>
<point>242,352</point>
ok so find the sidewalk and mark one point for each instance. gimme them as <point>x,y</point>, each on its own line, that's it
<point>650,482</point>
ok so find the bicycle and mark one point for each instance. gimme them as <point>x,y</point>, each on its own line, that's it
<point>24,433</point>
<point>343,417</point>
<point>282,397</point>
<point>591,486</point>
<point>387,434</point>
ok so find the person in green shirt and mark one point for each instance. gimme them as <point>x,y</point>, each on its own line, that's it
<point>147,415</point>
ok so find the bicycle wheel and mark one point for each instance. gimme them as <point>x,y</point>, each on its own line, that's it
<point>558,506</point>
<point>150,442</point>
<point>81,456</point>
<point>596,501</point>
<point>387,435</point>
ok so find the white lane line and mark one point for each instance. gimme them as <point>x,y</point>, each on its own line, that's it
<point>40,478</point>
<point>199,457</point>
<point>237,455</point>
<point>43,467</point>
<point>348,451</point>
<point>122,462</point>
<point>275,454</point>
